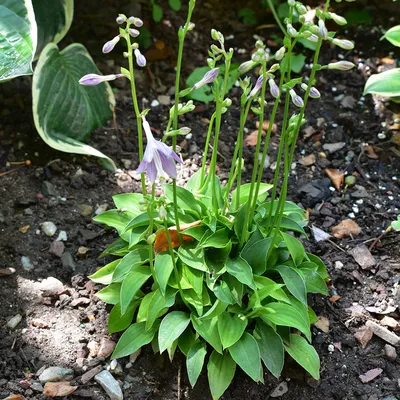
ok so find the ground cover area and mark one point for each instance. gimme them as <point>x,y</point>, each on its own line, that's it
<point>49,314</point>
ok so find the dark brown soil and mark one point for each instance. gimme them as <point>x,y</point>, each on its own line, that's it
<point>341,115</point>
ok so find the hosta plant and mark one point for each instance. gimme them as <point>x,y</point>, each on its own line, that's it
<point>214,270</point>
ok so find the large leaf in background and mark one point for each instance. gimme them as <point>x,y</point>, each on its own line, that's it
<point>393,35</point>
<point>53,20</point>
<point>18,33</point>
<point>65,113</point>
<point>385,84</point>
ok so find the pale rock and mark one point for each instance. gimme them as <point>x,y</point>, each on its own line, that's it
<point>27,263</point>
<point>50,284</point>
<point>62,236</point>
<point>85,210</point>
<point>107,346</point>
<point>390,352</point>
<point>14,321</point>
<point>333,147</point>
<point>55,374</point>
<point>110,385</point>
<point>384,333</point>
<point>280,390</point>
<point>49,228</point>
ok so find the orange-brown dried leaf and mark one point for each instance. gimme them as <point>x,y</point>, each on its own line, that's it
<point>161,242</point>
<point>265,126</point>
<point>336,177</point>
<point>58,389</point>
<point>251,138</point>
<point>159,51</point>
<point>347,227</point>
<point>371,152</point>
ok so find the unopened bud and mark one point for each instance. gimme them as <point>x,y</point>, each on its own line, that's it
<point>314,93</point>
<point>343,43</point>
<point>313,38</point>
<point>273,88</point>
<point>280,53</point>
<point>274,68</point>
<point>302,19</point>
<point>291,3</point>
<point>215,49</point>
<point>227,102</point>
<point>133,32</point>
<point>296,99</point>
<point>151,239</point>
<point>162,213</point>
<point>256,87</point>
<point>190,27</point>
<point>135,21</point>
<point>292,31</point>
<point>140,58</point>
<point>246,66</point>
<point>208,78</point>
<point>338,19</point>
<point>259,44</point>
<point>301,9</point>
<point>121,19</point>
<point>255,58</point>
<point>94,79</point>
<point>323,32</point>
<point>216,35</point>
<point>341,65</point>
<point>108,47</point>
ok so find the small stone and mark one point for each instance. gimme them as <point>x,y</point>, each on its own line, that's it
<point>14,321</point>
<point>58,389</point>
<point>384,333</point>
<point>107,346</point>
<point>133,357</point>
<point>68,261</point>
<point>37,387</point>
<point>127,163</point>
<point>80,301</point>
<point>48,189</point>
<point>49,228</point>
<point>89,375</point>
<point>338,265</point>
<point>85,210</point>
<point>62,236</point>
<point>280,390</point>
<point>50,284</point>
<point>390,352</point>
<point>110,385</point>
<point>164,100</point>
<point>57,248</point>
<point>93,348</point>
<point>27,211</point>
<point>360,192</point>
<point>39,323</point>
<point>100,209</point>
<point>82,252</point>
<point>333,147</point>
<point>154,103</point>
<point>27,263</point>
<point>55,374</point>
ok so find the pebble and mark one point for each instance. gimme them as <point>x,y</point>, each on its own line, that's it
<point>37,387</point>
<point>82,252</point>
<point>107,346</point>
<point>110,385</point>
<point>57,248</point>
<point>93,348</point>
<point>102,208</point>
<point>39,323</point>
<point>14,321</point>
<point>164,100</point>
<point>49,228</point>
<point>89,375</point>
<point>48,189</point>
<point>62,236</point>
<point>333,147</point>
<point>68,261</point>
<point>127,163</point>
<point>27,211</point>
<point>50,284</point>
<point>55,374</point>
<point>26,263</point>
<point>80,301</point>
<point>154,103</point>
<point>85,210</point>
<point>280,390</point>
<point>390,352</point>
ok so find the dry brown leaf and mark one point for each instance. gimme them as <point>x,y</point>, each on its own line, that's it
<point>24,229</point>
<point>347,227</point>
<point>364,335</point>
<point>336,177</point>
<point>251,138</point>
<point>265,126</point>
<point>307,161</point>
<point>363,256</point>
<point>333,299</point>
<point>388,61</point>
<point>161,242</point>
<point>14,397</point>
<point>396,138</point>
<point>7,271</point>
<point>371,152</point>
<point>159,51</point>
<point>370,375</point>
<point>391,323</point>
<point>58,389</point>
<point>322,324</point>
<point>309,131</point>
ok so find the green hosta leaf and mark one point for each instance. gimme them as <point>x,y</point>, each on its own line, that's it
<point>241,270</point>
<point>157,13</point>
<point>194,299</point>
<point>131,285</point>
<point>236,288</point>
<point>144,307</point>
<point>117,321</point>
<point>321,266</point>
<point>256,255</point>
<point>304,354</point>
<point>104,275</point>
<point>223,292</point>
<point>393,35</point>
<point>130,202</point>
<point>110,294</point>
<point>175,4</point>
<point>217,308</point>
<point>195,278</point>
<point>65,112</point>
<point>185,199</point>
<point>187,340</point>
<point>116,220</point>
<point>240,221</point>
<point>133,339</point>
<point>285,315</point>
<point>314,282</point>
<point>116,248</point>
<point>386,84</point>
<point>54,19</point>
<point>216,240</point>
<point>230,328</point>
<point>245,191</point>
<point>267,289</point>
<point>208,330</point>
<point>277,294</point>
<point>172,326</point>
<point>18,38</point>
<point>193,256</point>
<point>301,309</point>
<point>396,224</point>
<point>246,354</point>
<point>295,248</point>
<point>131,261</point>
<point>221,370</point>
<point>195,361</point>
<point>159,305</point>
<point>163,267</point>
<point>271,348</point>
<point>197,232</point>
<point>294,282</point>
<point>291,225</point>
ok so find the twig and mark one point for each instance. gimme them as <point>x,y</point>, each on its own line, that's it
<point>334,244</point>
<point>380,237</point>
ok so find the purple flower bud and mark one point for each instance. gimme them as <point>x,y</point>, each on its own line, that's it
<point>138,22</point>
<point>313,38</point>
<point>323,32</point>
<point>94,79</point>
<point>246,66</point>
<point>256,87</point>
<point>121,19</point>
<point>110,44</point>
<point>208,77</point>
<point>296,99</point>
<point>314,93</point>
<point>292,31</point>
<point>338,19</point>
<point>133,32</point>
<point>140,58</point>
<point>273,88</point>
<point>291,3</point>
<point>280,53</point>
<point>343,43</point>
<point>341,65</point>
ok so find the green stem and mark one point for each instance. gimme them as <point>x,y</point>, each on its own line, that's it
<point>151,224</point>
<point>203,165</point>
<point>276,16</point>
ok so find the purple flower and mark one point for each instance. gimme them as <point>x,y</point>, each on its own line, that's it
<point>273,88</point>
<point>296,99</point>
<point>208,77</point>
<point>94,79</point>
<point>256,87</point>
<point>140,58</point>
<point>133,32</point>
<point>110,44</point>
<point>121,19</point>
<point>159,159</point>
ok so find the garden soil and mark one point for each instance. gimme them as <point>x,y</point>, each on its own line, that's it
<point>63,323</point>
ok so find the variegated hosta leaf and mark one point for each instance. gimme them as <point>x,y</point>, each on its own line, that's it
<point>53,19</point>
<point>18,36</point>
<point>65,113</point>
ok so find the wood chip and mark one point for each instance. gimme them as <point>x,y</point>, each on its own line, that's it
<point>384,333</point>
<point>336,177</point>
<point>7,271</point>
<point>322,324</point>
<point>347,227</point>
<point>58,389</point>
<point>364,335</point>
<point>363,256</point>
<point>370,375</point>
<point>371,152</point>
<point>251,138</point>
<point>265,126</point>
<point>391,323</point>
